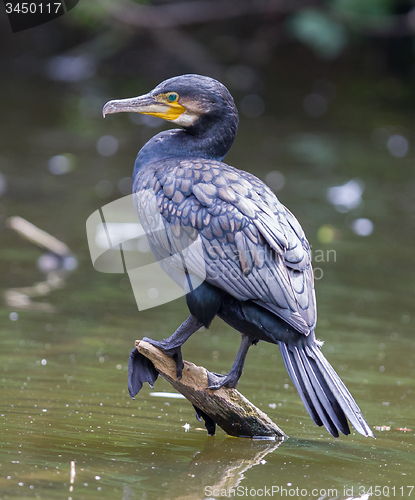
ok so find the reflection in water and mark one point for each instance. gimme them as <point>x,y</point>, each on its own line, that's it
<point>72,478</point>
<point>219,467</point>
<point>218,471</point>
<point>57,264</point>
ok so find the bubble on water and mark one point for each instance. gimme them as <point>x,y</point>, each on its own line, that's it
<point>60,164</point>
<point>70,263</point>
<point>48,262</point>
<point>398,145</point>
<point>347,196</point>
<point>275,180</point>
<point>405,319</point>
<point>107,145</point>
<point>363,227</point>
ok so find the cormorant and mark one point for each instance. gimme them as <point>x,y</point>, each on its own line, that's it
<point>258,276</point>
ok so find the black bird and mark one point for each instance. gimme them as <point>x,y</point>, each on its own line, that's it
<point>257,274</point>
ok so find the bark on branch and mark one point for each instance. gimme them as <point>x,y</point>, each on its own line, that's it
<point>226,407</point>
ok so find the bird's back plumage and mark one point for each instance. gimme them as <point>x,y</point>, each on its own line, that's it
<point>254,248</point>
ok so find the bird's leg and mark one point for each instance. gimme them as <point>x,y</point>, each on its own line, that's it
<point>172,345</point>
<point>210,424</point>
<point>217,381</point>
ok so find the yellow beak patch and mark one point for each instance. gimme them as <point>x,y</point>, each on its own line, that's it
<point>173,111</point>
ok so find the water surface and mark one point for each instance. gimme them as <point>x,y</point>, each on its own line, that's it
<point>63,394</point>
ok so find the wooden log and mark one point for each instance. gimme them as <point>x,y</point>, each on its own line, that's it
<point>38,236</point>
<point>226,407</point>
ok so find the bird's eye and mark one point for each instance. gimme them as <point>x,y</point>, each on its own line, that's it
<point>172,97</point>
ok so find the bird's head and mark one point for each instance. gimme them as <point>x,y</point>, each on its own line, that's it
<point>185,100</point>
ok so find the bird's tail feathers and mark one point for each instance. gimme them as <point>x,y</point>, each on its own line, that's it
<point>321,390</point>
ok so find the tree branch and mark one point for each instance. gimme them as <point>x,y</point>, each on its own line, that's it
<point>226,407</point>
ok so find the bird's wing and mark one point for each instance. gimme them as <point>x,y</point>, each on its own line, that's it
<point>253,247</point>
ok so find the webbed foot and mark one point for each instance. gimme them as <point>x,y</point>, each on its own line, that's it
<point>174,352</point>
<point>216,381</point>
<point>140,370</point>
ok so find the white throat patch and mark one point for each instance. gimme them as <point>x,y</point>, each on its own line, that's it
<point>186,119</point>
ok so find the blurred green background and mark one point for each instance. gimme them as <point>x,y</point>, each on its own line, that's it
<point>326,96</point>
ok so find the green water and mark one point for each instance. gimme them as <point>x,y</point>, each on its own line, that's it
<point>63,394</point>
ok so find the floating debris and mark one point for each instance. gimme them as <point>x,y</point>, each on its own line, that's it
<point>172,395</point>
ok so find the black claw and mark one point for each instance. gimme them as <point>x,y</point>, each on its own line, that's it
<point>179,364</point>
<point>140,370</point>
<point>210,424</point>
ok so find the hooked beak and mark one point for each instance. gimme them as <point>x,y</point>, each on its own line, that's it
<point>145,104</point>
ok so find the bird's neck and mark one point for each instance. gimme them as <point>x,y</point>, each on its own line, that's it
<point>209,139</point>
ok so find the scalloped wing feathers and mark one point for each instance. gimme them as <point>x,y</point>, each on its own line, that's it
<point>254,248</point>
